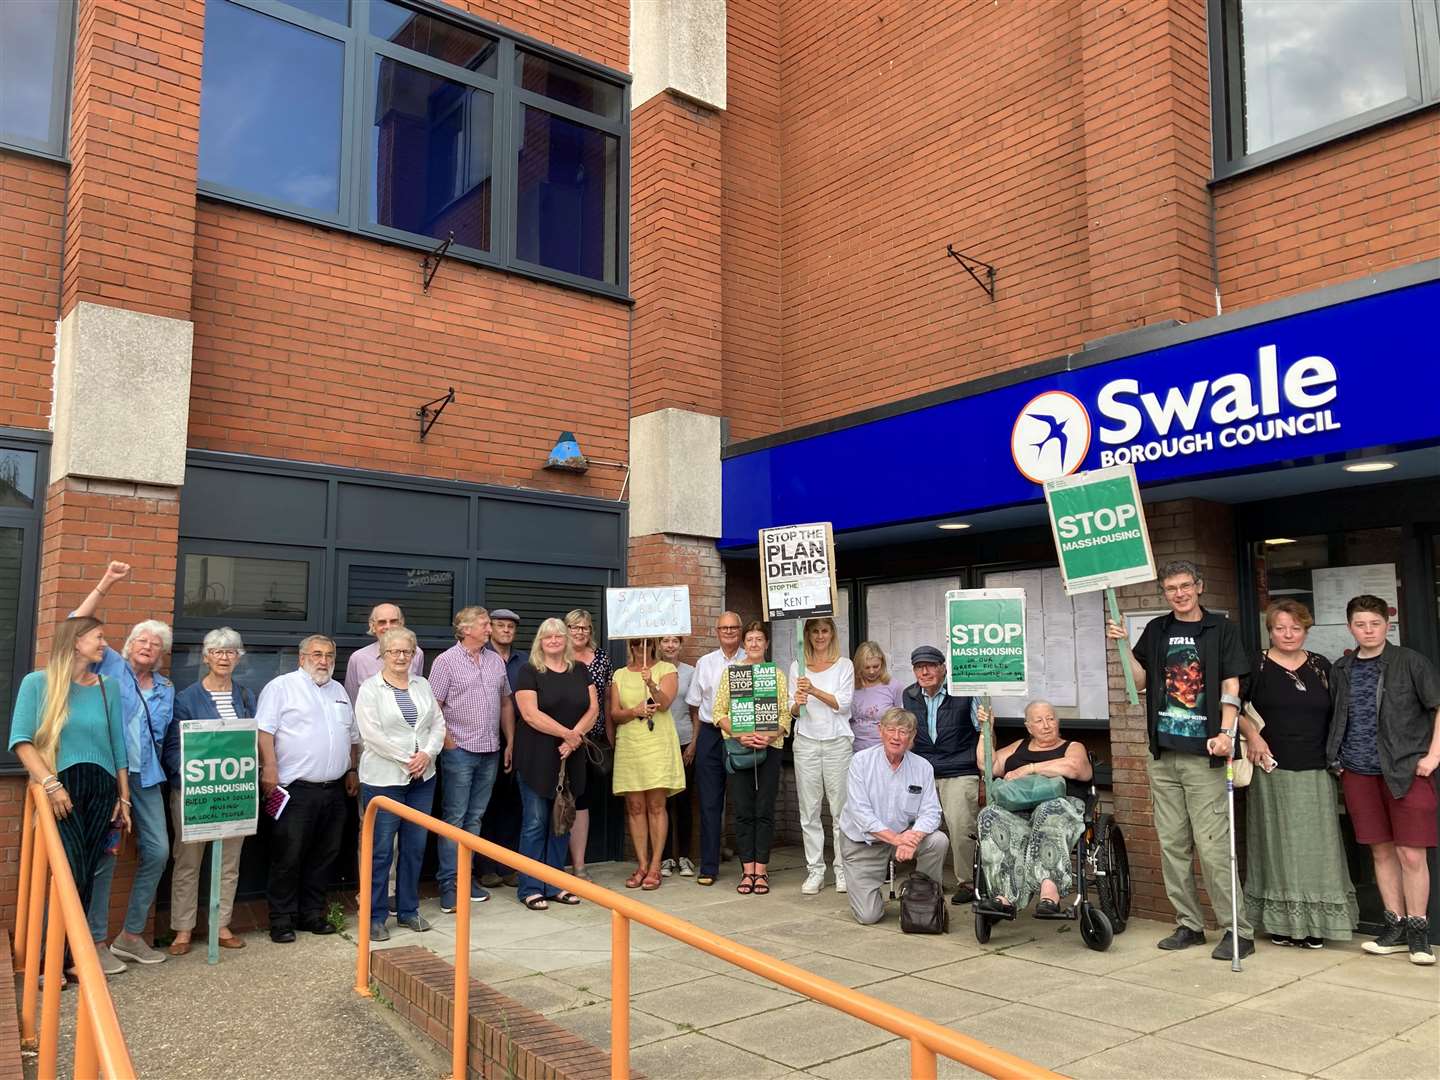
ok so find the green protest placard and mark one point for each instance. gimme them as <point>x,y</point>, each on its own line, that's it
<point>219,779</point>
<point>754,698</point>
<point>1099,527</point>
<point>986,641</point>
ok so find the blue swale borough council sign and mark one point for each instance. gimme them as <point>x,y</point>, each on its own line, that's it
<point>1359,374</point>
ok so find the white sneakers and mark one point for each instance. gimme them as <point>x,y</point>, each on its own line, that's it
<point>687,868</point>
<point>839,879</point>
<point>814,882</point>
<point>667,868</point>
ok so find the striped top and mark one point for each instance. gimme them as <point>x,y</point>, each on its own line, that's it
<point>224,704</point>
<point>407,706</point>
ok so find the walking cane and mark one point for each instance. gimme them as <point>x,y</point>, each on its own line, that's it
<point>1234,871</point>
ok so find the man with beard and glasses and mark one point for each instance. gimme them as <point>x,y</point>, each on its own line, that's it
<point>309,746</point>
<point>1189,663</point>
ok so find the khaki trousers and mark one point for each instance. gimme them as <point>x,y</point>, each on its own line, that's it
<point>185,874</point>
<point>1191,818</point>
<point>959,806</point>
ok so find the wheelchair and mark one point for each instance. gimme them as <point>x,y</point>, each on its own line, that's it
<point>1100,867</point>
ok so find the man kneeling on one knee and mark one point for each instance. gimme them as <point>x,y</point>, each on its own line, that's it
<point>891,812</point>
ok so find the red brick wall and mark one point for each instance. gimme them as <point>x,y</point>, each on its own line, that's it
<point>750,226</point>
<point>675,262</point>
<point>1355,207</point>
<point>135,123</point>
<point>663,559</point>
<point>317,345</point>
<point>32,211</point>
<point>596,29</point>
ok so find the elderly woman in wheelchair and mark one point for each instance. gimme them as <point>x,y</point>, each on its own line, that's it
<point>1021,851</point>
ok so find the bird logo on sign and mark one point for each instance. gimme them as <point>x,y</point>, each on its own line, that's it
<point>1051,436</point>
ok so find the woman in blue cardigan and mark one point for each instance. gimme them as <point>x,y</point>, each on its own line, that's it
<point>215,697</point>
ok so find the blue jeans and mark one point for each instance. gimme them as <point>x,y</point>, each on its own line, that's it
<point>419,795</point>
<point>152,840</point>
<point>469,778</point>
<point>537,842</point>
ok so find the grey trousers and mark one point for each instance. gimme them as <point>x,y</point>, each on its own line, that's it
<point>1191,818</point>
<point>866,866</point>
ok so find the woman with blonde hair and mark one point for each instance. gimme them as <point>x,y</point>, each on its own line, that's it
<point>580,626</point>
<point>875,693</point>
<point>648,767</point>
<point>557,701</point>
<point>823,694</point>
<point>67,732</point>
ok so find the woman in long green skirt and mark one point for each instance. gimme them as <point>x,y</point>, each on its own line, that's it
<point>1297,885</point>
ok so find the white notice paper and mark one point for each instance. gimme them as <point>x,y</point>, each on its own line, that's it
<point>1336,586</point>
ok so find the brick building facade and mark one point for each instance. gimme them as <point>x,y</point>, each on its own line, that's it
<point>786,179</point>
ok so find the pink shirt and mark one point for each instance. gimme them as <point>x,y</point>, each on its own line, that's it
<point>868,705</point>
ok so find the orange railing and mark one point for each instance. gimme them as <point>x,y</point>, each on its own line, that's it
<point>45,874</point>
<point>927,1038</point>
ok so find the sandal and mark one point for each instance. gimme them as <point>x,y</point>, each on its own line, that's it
<point>180,948</point>
<point>536,902</point>
<point>567,898</point>
<point>705,879</point>
<point>651,882</point>
<point>1046,906</point>
<point>762,884</point>
<point>747,884</point>
<point>635,880</point>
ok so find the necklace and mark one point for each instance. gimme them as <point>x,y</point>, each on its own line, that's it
<point>1295,678</point>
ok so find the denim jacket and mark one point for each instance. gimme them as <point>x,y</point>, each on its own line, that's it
<point>195,703</point>
<point>145,724</point>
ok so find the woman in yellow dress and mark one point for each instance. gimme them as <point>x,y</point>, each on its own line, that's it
<point>648,767</point>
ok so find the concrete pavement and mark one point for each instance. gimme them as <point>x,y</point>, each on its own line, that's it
<point>288,1011</point>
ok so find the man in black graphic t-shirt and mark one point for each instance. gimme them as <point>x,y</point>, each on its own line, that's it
<point>1192,717</point>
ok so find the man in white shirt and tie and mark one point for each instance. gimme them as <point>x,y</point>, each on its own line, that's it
<point>309,745</point>
<point>891,811</point>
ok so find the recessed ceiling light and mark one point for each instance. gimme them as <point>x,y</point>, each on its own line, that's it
<point>1277,541</point>
<point>954,525</point>
<point>1370,466</point>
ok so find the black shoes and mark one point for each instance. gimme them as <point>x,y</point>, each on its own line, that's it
<point>282,935</point>
<point>319,926</point>
<point>1417,933</point>
<point>964,894</point>
<point>1183,938</point>
<point>1393,939</point>
<point>1222,951</point>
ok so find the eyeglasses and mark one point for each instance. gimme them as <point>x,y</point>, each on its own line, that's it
<point>728,629</point>
<point>223,653</point>
<point>1176,590</point>
<point>399,652</point>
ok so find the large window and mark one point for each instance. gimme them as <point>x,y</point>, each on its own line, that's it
<point>23,465</point>
<point>415,123</point>
<point>1291,74</point>
<point>35,74</point>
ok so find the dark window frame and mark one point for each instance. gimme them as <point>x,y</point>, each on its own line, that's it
<point>1227,92</point>
<point>315,614</point>
<point>346,557</point>
<point>31,523</point>
<point>56,146</point>
<point>508,100</point>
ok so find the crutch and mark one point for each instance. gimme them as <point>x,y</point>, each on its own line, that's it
<point>1234,869</point>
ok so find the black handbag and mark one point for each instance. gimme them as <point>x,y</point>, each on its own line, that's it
<point>922,906</point>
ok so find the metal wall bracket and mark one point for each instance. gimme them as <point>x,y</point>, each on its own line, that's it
<point>431,262</point>
<point>965,260</point>
<point>428,416</point>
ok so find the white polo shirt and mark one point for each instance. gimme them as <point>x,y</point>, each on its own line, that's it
<point>314,727</point>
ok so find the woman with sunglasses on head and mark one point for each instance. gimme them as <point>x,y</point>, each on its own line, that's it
<point>648,767</point>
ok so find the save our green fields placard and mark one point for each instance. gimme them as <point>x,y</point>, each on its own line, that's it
<point>986,641</point>
<point>1098,523</point>
<point>219,779</point>
<point>754,698</point>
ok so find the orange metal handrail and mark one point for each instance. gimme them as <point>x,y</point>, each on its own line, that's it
<point>100,1048</point>
<point>927,1038</point>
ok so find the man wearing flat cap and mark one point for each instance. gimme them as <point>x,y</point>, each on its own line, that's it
<point>946,735</point>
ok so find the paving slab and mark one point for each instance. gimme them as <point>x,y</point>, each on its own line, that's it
<point>592,1023</point>
<point>1060,944</point>
<point>1002,976</point>
<point>891,1059</point>
<point>1139,1008</point>
<point>543,960</point>
<point>1296,1044</point>
<point>546,995</point>
<point>1387,975</point>
<point>1347,1007</point>
<point>688,954</point>
<point>695,1056</point>
<point>801,1035</point>
<point>489,968</point>
<point>1428,1032</point>
<point>934,1001</point>
<point>714,1000</point>
<point>902,953</point>
<point>1152,1057</point>
<point>1193,973</point>
<point>1393,1059</point>
<point>845,971</point>
<point>647,972</point>
<point>1040,1035</point>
